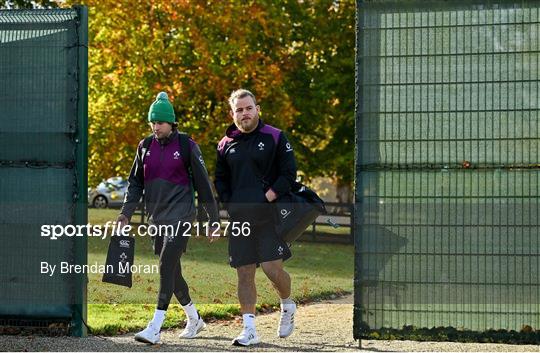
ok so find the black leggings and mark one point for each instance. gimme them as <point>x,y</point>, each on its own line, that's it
<point>170,272</point>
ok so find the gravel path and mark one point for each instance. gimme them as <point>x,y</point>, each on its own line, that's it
<point>323,326</point>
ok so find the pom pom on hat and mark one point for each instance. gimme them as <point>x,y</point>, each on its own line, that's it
<point>161,109</point>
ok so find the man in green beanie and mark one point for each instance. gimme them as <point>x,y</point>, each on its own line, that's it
<point>166,166</point>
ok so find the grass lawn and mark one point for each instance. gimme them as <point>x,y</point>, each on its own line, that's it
<point>317,271</point>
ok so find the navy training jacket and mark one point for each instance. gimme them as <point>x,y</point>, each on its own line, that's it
<point>238,185</point>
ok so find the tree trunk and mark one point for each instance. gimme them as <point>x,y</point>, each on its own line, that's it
<point>344,193</point>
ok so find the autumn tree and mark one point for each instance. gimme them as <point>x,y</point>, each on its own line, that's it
<point>28,4</point>
<point>198,52</point>
<point>296,56</point>
<point>322,87</point>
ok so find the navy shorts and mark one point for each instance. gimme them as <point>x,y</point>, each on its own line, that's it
<point>261,245</point>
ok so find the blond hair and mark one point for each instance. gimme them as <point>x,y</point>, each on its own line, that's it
<point>241,93</point>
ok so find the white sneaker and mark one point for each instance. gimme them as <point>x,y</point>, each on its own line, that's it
<point>286,321</point>
<point>193,327</point>
<point>247,337</point>
<point>149,335</point>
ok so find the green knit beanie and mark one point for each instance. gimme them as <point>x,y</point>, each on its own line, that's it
<point>161,109</point>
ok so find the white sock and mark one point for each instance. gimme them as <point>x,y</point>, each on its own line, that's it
<point>249,320</point>
<point>191,311</point>
<point>159,317</point>
<point>286,301</point>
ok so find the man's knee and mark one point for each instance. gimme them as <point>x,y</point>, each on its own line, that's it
<point>166,263</point>
<point>273,269</point>
<point>164,268</point>
<point>246,274</point>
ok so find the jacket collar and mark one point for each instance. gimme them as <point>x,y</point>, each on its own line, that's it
<point>166,140</point>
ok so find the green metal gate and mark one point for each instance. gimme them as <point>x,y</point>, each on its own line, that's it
<point>43,163</point>
<point>447,168</point>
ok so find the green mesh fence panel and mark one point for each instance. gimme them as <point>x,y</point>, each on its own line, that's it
<point>447,166</point>
<point>43,133</point>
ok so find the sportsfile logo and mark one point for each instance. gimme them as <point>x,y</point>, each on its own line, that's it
<point>112,228</point>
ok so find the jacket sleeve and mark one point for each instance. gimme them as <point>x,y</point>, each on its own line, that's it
<point>286,166</point>
<point>222,179</point>
<point>135,185</point>
<point>203,185</point>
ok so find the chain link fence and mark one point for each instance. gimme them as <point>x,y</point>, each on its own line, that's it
<point>447,167</point>
<point>43,158</point>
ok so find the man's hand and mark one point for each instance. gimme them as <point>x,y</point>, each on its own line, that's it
<point>270,195</point>
<point>122,221</point>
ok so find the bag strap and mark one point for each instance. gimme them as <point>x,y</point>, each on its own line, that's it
<point>262,177</point>
<point>186,158</point>
<point>183,139</point>
<point>183,142</point>
<point>146,145</point>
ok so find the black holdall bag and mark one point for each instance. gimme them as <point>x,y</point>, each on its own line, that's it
<point>296,211</point>
<point>120,257</point>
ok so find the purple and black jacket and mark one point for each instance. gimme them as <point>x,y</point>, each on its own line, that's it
<point>165,180</point>
<point>237,182</point>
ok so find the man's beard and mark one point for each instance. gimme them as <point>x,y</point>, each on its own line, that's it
<point>249,125</point>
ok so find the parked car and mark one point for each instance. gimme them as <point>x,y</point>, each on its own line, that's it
<point>108,193</point>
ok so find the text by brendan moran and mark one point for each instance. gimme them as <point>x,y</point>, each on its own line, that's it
<point>123,267</point>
